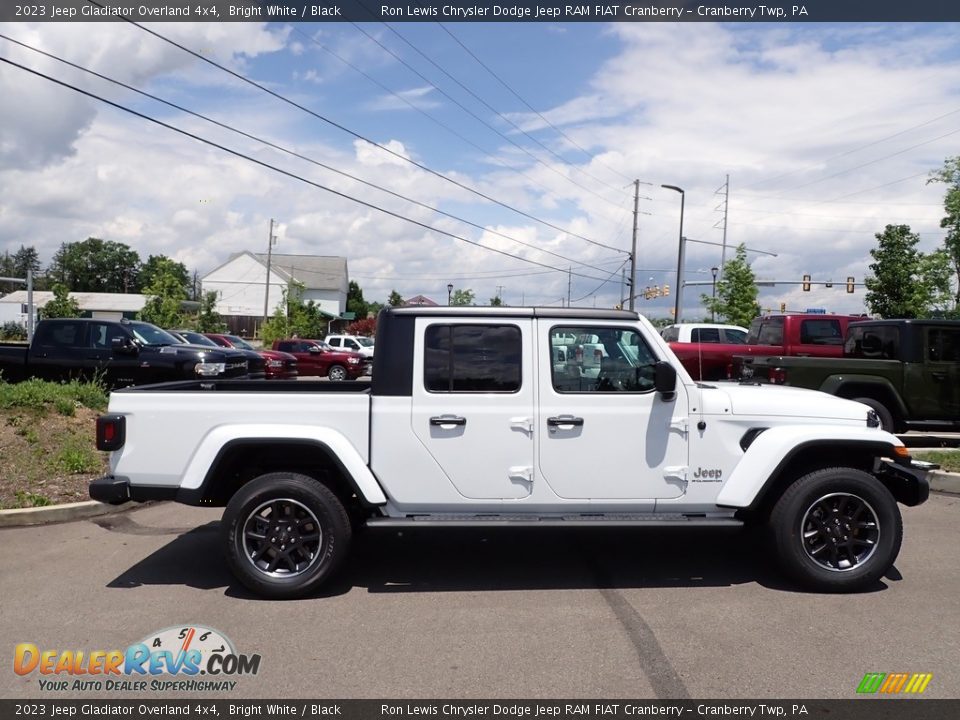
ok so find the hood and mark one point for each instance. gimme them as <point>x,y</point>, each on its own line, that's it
<point>778,401</point>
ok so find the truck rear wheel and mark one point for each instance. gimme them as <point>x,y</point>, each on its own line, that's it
<point>837,530</point>
<point>285,534</point>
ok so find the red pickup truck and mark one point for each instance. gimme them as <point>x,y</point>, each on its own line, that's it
<point>315,357</point>
<point>800,334</point>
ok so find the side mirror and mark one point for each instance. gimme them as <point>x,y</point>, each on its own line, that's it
<point>664,377</point>
<point>314,349</point>
<point>123,345</point>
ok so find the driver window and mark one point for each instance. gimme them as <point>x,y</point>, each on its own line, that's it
<point>600,359</point>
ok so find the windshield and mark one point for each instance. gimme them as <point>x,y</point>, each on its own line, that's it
<point>239,342</point>
<point>197,339</point>
<point>149,334</point>
<point>365,342</point>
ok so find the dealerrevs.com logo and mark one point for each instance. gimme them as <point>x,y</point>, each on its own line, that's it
<point>894,683</point>
<point>169,660</point>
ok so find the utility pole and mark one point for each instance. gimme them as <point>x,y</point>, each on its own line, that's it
<point>569,282</point>
<point>726,205</point>
<point>633,246</point>
<point>500,293</point>
<point>623,284</point>
<point>266,293</point>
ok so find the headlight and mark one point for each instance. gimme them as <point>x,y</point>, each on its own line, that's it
<point>353,361</point>
<point>206,369</point>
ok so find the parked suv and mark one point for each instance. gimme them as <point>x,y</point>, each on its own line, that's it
<point>315,357</point>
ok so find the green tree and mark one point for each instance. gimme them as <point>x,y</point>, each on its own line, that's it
<point>207,319</point>
<point>165,296</point>
<point>355,302</point>
<point>96,265</point>
<point>462,297</point>
<point>395,299</point>
<point>736,300</point>
<point>62,305</point>
<point>156,264</point>
<point>496,301</point>
<point>293,316</point>
<point>896,288</point>
<point>936,272</point>
<point>949,174</point>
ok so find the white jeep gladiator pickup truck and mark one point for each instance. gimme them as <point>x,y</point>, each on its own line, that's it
<point>473,418</point>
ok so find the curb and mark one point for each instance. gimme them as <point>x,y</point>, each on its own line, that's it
<point>22,517</point>
<point>945,482</point>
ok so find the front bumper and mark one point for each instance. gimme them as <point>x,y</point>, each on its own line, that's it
<point>907,482</point>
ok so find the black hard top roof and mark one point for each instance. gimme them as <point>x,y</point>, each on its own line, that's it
<point>505,312</point>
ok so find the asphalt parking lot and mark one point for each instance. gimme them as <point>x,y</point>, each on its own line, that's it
<point>523,614</point>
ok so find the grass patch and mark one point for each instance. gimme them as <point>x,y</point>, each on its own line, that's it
<point>948,460</point>
<point>29,499</point>
<point>77,459</point>
<point>64,398</point>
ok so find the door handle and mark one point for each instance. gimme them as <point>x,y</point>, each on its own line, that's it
<point>938,375</point>
<point>448,420</point>
<point>564,420</point>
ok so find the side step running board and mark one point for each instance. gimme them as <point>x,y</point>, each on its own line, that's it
<point>577,520</point>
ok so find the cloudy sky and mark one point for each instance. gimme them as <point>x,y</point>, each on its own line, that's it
<point>827,133</point>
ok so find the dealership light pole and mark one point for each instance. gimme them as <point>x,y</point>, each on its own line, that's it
<point>679,292</point>
<point>266,294</point>
<point>449,292</point>
<point>713,293</point>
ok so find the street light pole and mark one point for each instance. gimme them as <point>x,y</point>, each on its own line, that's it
<point>449,292</point>
<point>679,292</point>
<point>713,294</point>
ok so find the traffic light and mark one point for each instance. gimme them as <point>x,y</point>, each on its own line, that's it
<point>666,290</point>
<point>849,284</point>
<point>806,283</point>
<point>783,307</point>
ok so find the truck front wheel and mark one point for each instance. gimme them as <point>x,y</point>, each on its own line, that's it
<point>337,373</point>
<point>285,534</point>
<point>837,530</point>
<point>886,417</point>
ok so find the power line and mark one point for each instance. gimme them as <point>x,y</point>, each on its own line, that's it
<point>295,154</point>
<point>487,154</point>
<point>532,109</point>
<point>470,112</point>
<point>355,134</point>
<point>854,150</point>
<point>597,288</point>
<point>287,173</point>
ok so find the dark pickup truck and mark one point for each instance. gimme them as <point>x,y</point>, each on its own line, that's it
<point>121,353</point>
<point>908,371</point>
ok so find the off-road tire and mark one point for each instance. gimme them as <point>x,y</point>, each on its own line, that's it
<point>301,503</point>
<point>844,512</point>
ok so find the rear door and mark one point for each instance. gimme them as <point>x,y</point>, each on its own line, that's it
<point>941,379</point>
<point>472,405</point>
<point>603,432</point>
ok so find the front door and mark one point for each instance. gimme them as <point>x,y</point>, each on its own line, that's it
<point>473,403</point>
<point>604,432</point>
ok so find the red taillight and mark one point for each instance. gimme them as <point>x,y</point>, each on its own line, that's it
<point>778,376</point>
<point>111,432</point>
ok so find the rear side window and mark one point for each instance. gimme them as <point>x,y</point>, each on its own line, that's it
<point>876,343</point>
<point>821,332</point>
<point>770,332</point>
<point>734,337</point>
<point>943,345</point>
<point>705,335</point>
<point>472,358</point>
<point>59,334</point>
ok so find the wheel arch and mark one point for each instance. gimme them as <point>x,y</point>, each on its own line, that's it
<point>776,458</point>
<point>877,388</point>
<point>238,460</point>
